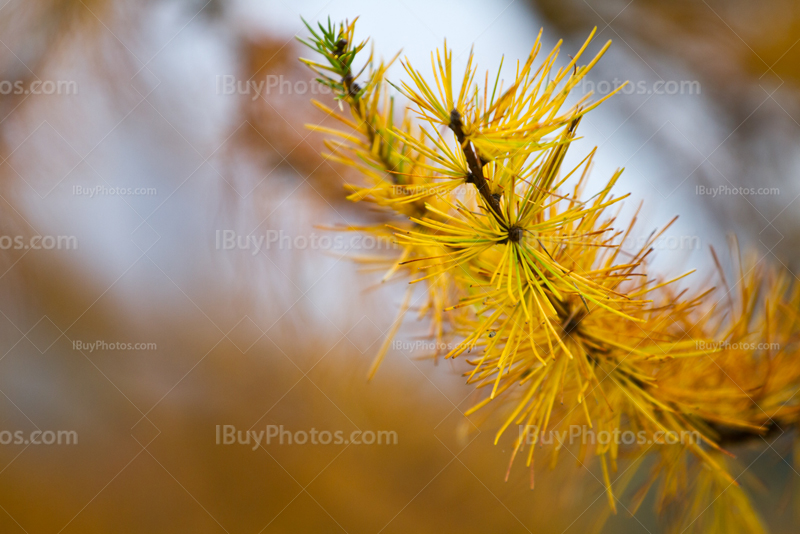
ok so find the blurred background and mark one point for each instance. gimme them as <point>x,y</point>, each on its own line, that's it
<point>160,198</point>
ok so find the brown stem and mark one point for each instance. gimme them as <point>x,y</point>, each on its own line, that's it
<point>351,90</point>
<point>729,437</point>
<point>475,168</point>
<point>570,320</point>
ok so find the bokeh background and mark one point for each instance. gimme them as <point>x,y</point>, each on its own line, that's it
<point>284,335</point>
